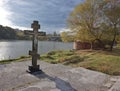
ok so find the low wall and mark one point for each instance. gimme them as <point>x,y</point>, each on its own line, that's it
<point>81,45</point>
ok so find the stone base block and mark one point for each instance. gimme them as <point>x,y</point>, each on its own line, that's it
<point>33,69</point>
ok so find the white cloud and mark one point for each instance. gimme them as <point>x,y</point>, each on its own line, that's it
<point>21,28</point>
<point>4,13</point>
<point>51,13</point>
<point>65,30</point>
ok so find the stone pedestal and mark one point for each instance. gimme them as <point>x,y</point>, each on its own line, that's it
<point>33,69</point>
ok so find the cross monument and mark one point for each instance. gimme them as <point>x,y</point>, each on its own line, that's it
<point>35,33</point>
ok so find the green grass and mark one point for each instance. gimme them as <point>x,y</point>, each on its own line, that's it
<point>106,62</point>
<point>56,56</point>
<point>98,60</point>
<point>103,61</point>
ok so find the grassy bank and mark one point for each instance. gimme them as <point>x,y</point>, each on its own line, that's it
<point>98,60</point>
<point>103,61</point>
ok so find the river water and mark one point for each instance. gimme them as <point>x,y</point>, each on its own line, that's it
<point>15,49</point>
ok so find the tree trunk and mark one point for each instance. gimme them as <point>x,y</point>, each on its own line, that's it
<point>112,44</point>
<point>101,45</point>
<point>114,37</point>
<point>92,45</point>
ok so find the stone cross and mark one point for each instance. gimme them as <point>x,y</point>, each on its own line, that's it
<point>33,53</point>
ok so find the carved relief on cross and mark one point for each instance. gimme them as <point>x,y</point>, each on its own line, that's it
<point>35,25</point>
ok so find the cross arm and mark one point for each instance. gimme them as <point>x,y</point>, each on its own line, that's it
<point>33,53</point>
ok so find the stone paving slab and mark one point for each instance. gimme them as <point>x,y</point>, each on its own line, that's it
<point>116,86</point>
<point>55,77</point>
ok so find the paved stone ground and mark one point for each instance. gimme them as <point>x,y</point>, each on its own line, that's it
<point>56,77</point>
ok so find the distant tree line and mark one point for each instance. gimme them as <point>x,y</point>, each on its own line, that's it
<point>8,33</point>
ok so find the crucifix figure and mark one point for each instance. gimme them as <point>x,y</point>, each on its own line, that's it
<point>35,25</point>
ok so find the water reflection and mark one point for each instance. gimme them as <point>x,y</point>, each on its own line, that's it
<point>14,49</point>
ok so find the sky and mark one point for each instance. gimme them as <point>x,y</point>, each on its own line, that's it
<point>51,14</point>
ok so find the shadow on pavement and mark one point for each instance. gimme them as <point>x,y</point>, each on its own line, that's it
<point>60,84</point>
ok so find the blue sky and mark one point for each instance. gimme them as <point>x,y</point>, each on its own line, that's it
<point>51,14</point>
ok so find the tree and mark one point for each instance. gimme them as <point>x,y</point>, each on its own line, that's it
<point>96,20</point>
<point>86,21</point>
<point>7,33</point>
<point>67,36</point>
<point>111,9</point>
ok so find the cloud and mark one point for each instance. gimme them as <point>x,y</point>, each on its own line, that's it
<point>51,14</point>
<point>4,19</point>
<point>6,15</point>
<point>65,30</point>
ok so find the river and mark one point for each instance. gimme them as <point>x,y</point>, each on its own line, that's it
<point>15,49</point>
